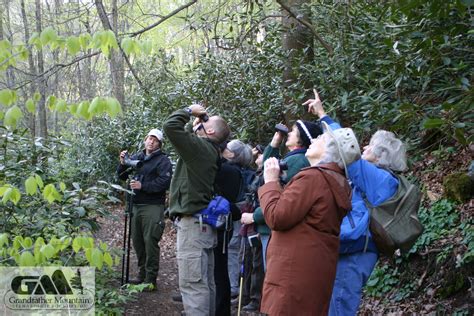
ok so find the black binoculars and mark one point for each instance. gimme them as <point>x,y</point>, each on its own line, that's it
<point>281,128</point>
<point>283,165</point>
<point>134,163</point>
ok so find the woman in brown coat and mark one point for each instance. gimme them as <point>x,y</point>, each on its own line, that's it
<point>305,218</point>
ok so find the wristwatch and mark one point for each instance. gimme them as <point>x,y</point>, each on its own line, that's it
<point>188,109</point>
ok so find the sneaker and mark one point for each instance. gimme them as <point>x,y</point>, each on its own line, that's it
<point>177,298</point>
<point>251,307</point>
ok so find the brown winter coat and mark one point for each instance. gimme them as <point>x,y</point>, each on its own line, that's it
<point>302,254</point>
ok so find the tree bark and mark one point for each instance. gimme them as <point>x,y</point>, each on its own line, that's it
<point>8,33</point>
<point>43,122</point>
<point>297,40</point>
<point>115,60</point>
<point>31,66</point>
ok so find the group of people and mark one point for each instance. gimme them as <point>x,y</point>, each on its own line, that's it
<point>300,237</point>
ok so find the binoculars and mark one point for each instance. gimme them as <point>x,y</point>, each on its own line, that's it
<point>132,162</point>
<point>281,128</point>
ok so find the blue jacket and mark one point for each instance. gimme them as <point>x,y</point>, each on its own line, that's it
<point>378,185</point>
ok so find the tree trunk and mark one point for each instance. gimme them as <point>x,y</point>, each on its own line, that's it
<point>31,66</point>
<point>8,33</point>
<point>116,60</point>
<point>298,41</point>
<point>43,122</point>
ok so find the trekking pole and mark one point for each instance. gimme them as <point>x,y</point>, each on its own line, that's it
<point>124,247</point>
<point>126,239</point>
<point>130,215</point>
<point>242,270</point>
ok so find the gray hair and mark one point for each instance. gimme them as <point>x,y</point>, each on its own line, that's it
<point>242,153</point>
<point>331,153</point>
<point>389,151</point>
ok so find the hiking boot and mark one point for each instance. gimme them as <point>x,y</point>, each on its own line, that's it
<point>177,298</point>
<point>251,307</point>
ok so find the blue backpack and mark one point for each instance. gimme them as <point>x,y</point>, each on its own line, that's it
<point>216,214</point>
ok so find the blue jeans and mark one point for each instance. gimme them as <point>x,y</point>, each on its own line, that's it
<point>233,262</point>
<point>264,239</point>
<point>353,271</point>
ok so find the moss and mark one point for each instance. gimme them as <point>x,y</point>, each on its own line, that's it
<point>458,187</point>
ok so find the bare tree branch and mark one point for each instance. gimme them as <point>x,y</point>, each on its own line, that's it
<point>308,25</point>
<point>106,22</point>
<point>166,17</point>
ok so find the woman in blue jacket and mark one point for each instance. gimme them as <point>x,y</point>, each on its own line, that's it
<point>370,178</point>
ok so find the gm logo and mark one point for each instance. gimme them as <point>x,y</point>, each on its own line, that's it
<point>47,289</point>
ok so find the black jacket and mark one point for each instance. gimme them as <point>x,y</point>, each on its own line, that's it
<point>228,180</point>
<point>154,175</point>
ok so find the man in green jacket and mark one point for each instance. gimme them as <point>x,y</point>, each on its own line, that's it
<point>191,190</point>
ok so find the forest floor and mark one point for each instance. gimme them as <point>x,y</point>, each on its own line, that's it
<point>160,302</point>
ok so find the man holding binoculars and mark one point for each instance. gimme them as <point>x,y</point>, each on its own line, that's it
<point>152,171</point>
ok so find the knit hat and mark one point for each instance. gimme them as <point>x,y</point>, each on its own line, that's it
<point>347,144</point>
<point>308,130</point>
<point>157,133</point>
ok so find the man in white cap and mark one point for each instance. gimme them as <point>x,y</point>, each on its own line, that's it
<point>150,181</point>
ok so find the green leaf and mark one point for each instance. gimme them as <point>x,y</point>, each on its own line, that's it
<point>31,186</point>
<point>73,108</point>
<point>113,107</point>
<point>84,40</point>
<point>65,242</point>
<point>51,102</point>
<point>97,258</point>
<point>23,52</point>
<point>27,242</point>
<point>62,186</point>
<point>433,123</point>
<point>35,40</point>
<point>108,259</point>
<point>39,181</point>
<point>48,36</point>
<point>73,45</point>
<point>17,242</point>
<point>3,239</point>
<point>103,246</point>
<point>7,97</point>
<point>26,259</point>
<point>50,193</point>
<point>83,110</point>
<point>97,106</point>
<point>30,105</point>
<point>127,44</point>
<point>61,106</point>
<point>37,96</point>
<point>12,116</point>
<point>48,251</point>
<point>76,244</point>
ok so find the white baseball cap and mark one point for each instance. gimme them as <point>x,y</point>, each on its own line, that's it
<point>157,133</point>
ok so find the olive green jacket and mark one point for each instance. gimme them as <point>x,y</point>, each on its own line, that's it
<point>192,185</point>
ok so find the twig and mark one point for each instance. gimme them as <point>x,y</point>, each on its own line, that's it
<point>308,25</point>
<point>106,22</point>
<point>166,17</point>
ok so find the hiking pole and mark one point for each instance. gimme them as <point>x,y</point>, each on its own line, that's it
<point>126,239</point>
<point>242,270</point>
<point>130,215</point>
<point>124,246</point>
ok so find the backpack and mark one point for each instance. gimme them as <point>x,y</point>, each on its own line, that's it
<point>216,214</point>
<point>394,224</point>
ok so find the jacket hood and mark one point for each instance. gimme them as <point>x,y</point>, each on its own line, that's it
<point>338,184</point>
